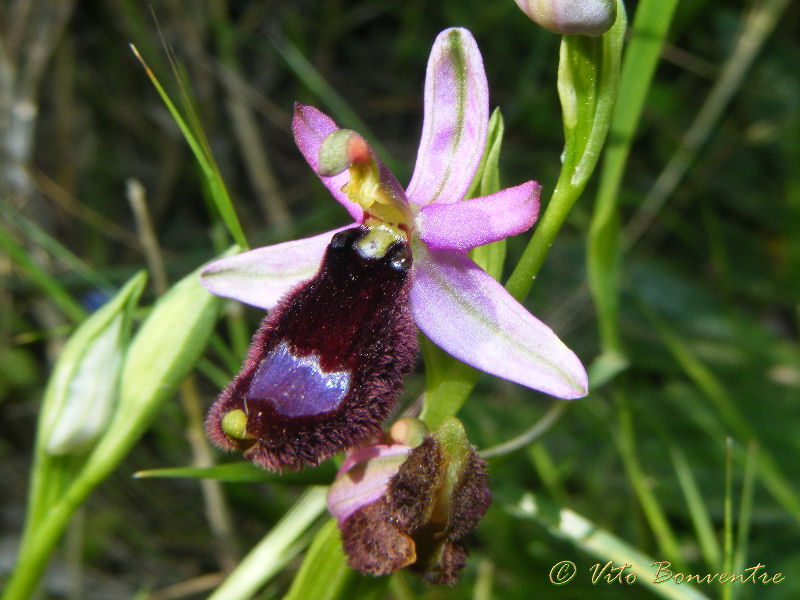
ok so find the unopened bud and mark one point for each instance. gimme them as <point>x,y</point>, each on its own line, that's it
<point>583,17</point>
<point>82,392</point>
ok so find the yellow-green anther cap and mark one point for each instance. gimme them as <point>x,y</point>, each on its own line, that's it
<point>341,149</point>
<point>82,393</point>
<point>583,17</point>
<point>234,424</point>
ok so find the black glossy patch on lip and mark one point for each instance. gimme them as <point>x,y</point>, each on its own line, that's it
<point>325,367</point>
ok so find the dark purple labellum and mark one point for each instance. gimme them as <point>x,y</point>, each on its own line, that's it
<point>325,367</point>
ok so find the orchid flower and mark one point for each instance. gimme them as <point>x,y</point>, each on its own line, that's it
<point>430,226</point>
<point>411,500</point>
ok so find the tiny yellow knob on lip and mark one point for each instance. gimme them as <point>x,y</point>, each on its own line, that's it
<point>234,424</point>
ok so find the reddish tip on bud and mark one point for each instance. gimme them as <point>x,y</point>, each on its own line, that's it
<point>341,149</point>
<point>358,149</point>
<point>583,17</point>
<point>325,367</point>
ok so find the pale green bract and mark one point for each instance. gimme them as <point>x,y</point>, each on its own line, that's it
<point>83,390</point>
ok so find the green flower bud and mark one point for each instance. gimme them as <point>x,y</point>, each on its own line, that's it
<point>584,17</point>
<point>83,389</point>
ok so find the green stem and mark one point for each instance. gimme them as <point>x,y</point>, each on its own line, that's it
<point>561,202</point>
<point>588,76</point>
<point>32,559</point>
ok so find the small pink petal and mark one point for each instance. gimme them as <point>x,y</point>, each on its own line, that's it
<point>464,225</point>
<point>261,277</point>
<point>471,316</point>
<point>310,127</point>
<point>357,487</point>
<point>456,120</point>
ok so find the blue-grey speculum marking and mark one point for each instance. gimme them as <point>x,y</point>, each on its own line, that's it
<point>297,386</point>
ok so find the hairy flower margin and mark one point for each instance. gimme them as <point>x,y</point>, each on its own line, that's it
<point>453,301</point>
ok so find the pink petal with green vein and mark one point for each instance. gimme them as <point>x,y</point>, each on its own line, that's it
<point>310,127</point>
<point>261,277</point>
<point>472,317</point>
<point>455,122</point>
<point>464,225</point>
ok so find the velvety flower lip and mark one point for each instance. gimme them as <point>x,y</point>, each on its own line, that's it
<point>454,302</point>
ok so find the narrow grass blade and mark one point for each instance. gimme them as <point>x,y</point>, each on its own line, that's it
<point>653,511</point>
<point>697,510</point>
<point>572,527</point>
<point>756,30</point>
<point>769,473</point>
<point>270,555</point>
<point>727,556</point>
<point>325,575</point>
<point>244,472</point>
<point>650,25</point>
<point>57,250</point>
<point>746,507</point>
<point>344,115</point>
<point>204,158</point>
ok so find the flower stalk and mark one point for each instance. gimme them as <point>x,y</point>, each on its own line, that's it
<point>588,78</point>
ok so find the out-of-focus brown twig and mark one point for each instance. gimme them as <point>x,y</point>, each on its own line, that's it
<point>27,40</point>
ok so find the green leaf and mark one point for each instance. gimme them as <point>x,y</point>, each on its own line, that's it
<point>89,357</point>
<point>160,356</point>
<point>245,472</point>
<point>274,551</point>
<point>76,361</point>
<point>325,575</point>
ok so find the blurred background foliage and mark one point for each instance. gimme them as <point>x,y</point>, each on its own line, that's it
<point>710,298</point>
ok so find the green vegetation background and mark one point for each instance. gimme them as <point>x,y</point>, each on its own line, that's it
<point>709,308</point>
